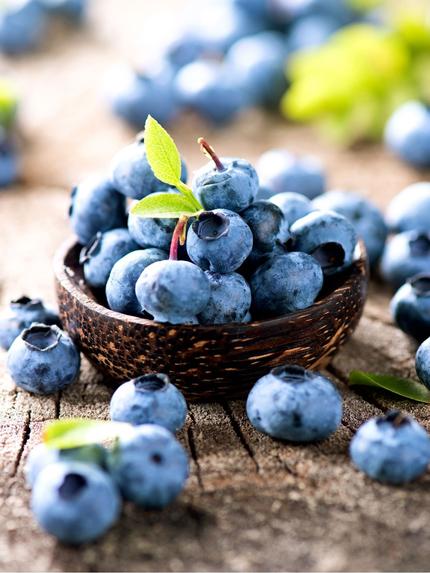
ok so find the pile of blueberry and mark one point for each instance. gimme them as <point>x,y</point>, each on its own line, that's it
<point>243,257</point>
<point>23,23</point>
<point>77,493</point>
<point>229,55</point>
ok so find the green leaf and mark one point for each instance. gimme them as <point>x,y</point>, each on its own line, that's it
<point>165,206</point>
<point>76,432</point>
<point>8,103</point>
<point>162,153</point>
<point>401,386</point>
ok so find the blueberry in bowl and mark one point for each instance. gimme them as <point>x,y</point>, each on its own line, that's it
<point>211,314</point>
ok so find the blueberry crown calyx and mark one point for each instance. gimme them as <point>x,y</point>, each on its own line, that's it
<point>151,382</point>
<point>41,337</point>
<point>26,302</point>
<point>395,417</point>
<point>420,245</point>
<point>420,284</point>
<point>211,226</point>
<point>92,247</point>
<point>290,373</point>
<point>73,483</point>
<point>329,255</point>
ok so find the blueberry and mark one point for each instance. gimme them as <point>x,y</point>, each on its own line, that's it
<point>149,232</point>
<point>230,299</point>
<point>73,10</point>
<point>101,254</point>
<point>43,359</point>
<point>280,171</point>
<point>219,241</point>
<point>9,162</point>
<point>208,88</point>
<point>149,466</point>
<point>293,206</point>
<point>422,362</point>
<point>225,183</point>
<point>393,448</point>
<point>327,236</point>
<point>75,502</point>
<point>311,32</point>
<point>41,456</point>
<point>259,64</point>
<point>405,255</point>
<point>22,26</point>
<point>266,223</point>
<point>132,175</point>
<point>121,285</point>
<point>295,404</point>
<point>410,307</point>
<point>407,133</point>
<point>183,48</point>
<point>22,312</point>
<point>284,284</point>
<point>96,206</point>
<point>410,209</point>
<point>134,96</point>
<point>364,216</point>
<point>173,291</point>
<point>149,399</point>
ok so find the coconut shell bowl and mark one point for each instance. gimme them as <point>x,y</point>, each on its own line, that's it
<point>208,362</point>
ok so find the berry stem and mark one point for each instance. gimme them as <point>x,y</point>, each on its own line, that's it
<point>178,238</point>
<point>210,152</point>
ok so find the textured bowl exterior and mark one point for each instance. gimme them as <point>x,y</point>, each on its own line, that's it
<point>207,362</point>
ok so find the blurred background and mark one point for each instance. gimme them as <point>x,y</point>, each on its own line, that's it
<point>318,77</point>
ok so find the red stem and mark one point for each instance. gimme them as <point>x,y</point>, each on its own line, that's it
<point>210,152</point>
<point>178,238</point>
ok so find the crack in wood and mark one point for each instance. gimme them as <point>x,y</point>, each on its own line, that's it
<point>193,450</point>
<point>238,431</point>
<point>57,404</point>
<point>24,439</point>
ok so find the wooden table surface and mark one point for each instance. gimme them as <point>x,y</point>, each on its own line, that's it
<point>251,503</point>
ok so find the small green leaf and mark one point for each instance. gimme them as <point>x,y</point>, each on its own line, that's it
<point>401,386</point>
<point>164,206</point>
<point>77,432</point>
<point>162,153</point>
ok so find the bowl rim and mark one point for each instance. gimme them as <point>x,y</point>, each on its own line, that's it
<point>66,281</point>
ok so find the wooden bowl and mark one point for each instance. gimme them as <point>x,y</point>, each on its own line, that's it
<point>207,362</point>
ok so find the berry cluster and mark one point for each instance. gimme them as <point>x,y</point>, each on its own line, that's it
<point>229,55</point>
<point>23,24</point>
<point>232,256</point>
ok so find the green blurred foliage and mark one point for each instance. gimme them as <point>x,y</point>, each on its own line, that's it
<point>8,104</point>
<point>353,83</point>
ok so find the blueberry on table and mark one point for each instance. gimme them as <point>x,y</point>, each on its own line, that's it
<point>422,362</point>
<point>132,175</point>
<point>96,206</point>
<point>43,359</point>
<point>293,206</point>
<point>147,232</point>
<point>149,399</point>
<point>9,162</point>
<point>133,96</point>
<point>410,209</point>
<point>329,237</point>
<point>364,216</point>
<point>149,466</point>
<point>284,284</point>
<point>100,255</point>
<point>410,307</point>
<point>207,88</point>
<point>407,133</point>
<point>405,255</point>
<point>22,26</point>
<point>219,241</point>
<point>41,456</point>
<point>393,449</point>
<point>266,221</point>
<point>294,404</point>
<point>230,299</point>
<point>279,171</point>
<point>21,314</point>
<point>75,502</point>
<point>173,291</point>
<point>121,285</point>
<point>225,183</point>
<point>259,63</point>
<point>183,48</point>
